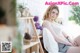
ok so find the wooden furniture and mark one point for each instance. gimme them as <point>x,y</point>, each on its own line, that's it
<point>33,46</point>
<point>36,45</point>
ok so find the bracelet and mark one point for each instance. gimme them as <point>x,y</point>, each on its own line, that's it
<point>67,37</point>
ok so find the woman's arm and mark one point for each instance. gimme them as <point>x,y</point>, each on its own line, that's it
<point>67,37</point>
<point>57,38</point>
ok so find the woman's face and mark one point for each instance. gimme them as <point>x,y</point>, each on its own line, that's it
<point>53,14</point>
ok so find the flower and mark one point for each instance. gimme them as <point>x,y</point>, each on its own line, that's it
<point>35,18</point>
<point>41,28</point>
<point>38,26</point>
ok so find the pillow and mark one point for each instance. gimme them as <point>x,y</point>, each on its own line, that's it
<point>49,42</point>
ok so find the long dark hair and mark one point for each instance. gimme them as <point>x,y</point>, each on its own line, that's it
<point>2,16</point>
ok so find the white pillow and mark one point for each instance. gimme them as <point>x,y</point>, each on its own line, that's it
<point>49,42</point>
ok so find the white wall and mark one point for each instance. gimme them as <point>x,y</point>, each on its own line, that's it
<point>38,8</point>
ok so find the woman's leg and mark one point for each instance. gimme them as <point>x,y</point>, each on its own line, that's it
<point>77,41</point>
<point>74,50</point>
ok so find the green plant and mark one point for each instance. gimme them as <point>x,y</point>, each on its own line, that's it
<point>13,8</point>
<point>75,14</point>
<point>18,43</point>
<point>21,8</point>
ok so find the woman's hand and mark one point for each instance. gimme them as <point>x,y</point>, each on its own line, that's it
<point>69,44</point>
<point>74,43</point>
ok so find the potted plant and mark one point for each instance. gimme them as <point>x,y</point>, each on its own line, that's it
<point>21,8</point>
<point>27,38</point>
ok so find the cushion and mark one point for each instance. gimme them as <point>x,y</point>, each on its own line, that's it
<point>49,42</point>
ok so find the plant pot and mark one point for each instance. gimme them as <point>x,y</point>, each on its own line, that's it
<point>26,41</point>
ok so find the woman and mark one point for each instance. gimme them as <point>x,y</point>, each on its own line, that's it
<point>63,40</point>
